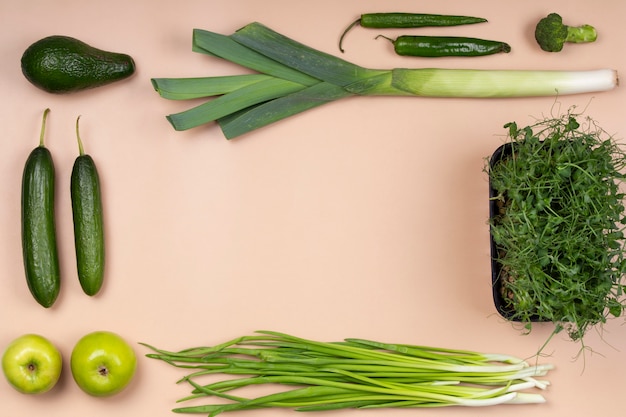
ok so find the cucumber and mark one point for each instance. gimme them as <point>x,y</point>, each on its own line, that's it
<point>39,246</point>
<point>88,223</point>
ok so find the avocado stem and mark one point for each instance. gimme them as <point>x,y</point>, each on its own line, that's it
<point>43,127</point>
<point>80,142</point>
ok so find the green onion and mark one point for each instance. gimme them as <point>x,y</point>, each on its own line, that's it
<point>302,78</point>
<point>309,375</point>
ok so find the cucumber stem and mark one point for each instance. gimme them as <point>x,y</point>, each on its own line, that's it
<point>80,142</point>
<point>43,127</point>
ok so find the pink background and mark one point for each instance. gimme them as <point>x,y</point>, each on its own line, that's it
<point>361,218</point>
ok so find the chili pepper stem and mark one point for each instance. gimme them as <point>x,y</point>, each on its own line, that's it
<point>343,35</point>
<point>384,37</point>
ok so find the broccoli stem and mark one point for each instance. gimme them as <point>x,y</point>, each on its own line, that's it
<point>581,34</point>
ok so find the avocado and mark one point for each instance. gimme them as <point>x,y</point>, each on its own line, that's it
<point>62,64</point>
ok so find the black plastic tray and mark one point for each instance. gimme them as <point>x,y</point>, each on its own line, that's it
<point>503,309</point>
<point>501,152</point>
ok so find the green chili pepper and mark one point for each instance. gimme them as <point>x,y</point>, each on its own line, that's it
<point>408,20</point>
<point>440,46</point>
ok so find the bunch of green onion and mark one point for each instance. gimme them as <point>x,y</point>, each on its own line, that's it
<point>314,376</point>
<point>289,77</point>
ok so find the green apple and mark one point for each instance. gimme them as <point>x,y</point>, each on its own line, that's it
<point>32,364</point>
<point>102,363</point>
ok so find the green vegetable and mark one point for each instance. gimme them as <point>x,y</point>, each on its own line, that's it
<point>39,245</point>
<point>298,78</point>
<point>551,34</point>
<point>408,20</point>
<point>61,64</point>
<point>88,221</point>
<point>314,376</point>
<point>440,46</point>
<point>559,229</point>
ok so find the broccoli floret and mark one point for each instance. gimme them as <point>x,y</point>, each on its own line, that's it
<point>551,33</point>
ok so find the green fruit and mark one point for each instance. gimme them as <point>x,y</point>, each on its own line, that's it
<point>39,246</point>
<point>102,363</point>
<point>88,223</point>
<point>61,64</point>
<point>32,364</point>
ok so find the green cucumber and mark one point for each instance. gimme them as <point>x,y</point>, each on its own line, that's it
<point>88,223</point>
<point>39,246</point>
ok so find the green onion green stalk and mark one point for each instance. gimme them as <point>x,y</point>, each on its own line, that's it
<point>290,77</point>
<point>309,375</point>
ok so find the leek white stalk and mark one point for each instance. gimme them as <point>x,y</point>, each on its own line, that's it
<point>292,77</point>
<point>501,83</point>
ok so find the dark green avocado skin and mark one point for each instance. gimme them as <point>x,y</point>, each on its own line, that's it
<point>62,64</point>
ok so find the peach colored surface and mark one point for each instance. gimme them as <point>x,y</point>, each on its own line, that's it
<point>361,218</point>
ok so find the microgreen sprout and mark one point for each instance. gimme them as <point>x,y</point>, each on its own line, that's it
<point>559,228</point>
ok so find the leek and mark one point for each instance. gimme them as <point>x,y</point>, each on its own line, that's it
<point>309,375</point>
<point>291,77</point>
